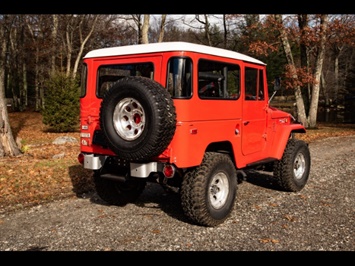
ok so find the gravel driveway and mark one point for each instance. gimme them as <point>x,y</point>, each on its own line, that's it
<point>319,218</point>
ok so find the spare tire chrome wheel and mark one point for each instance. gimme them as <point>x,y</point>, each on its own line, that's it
<point>137,118</point>
<point>129,119</point>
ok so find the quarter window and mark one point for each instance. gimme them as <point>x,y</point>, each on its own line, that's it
<point>179,78</point>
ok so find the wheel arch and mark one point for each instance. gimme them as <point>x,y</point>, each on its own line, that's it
<point>280,140</point>
<point>222,147</point>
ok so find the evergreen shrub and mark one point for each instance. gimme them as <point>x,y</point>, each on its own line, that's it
<point>61,110</point>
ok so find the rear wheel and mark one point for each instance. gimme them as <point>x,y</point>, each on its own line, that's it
<point>292,171</point>
<point>208,191</point>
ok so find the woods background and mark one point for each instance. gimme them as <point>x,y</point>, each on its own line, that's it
<point>313,54</point>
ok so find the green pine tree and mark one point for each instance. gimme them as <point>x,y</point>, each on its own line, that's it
<point>61,104</point>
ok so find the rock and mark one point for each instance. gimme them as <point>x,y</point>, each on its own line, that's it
<point>64,139</point>
<point>59,156</point>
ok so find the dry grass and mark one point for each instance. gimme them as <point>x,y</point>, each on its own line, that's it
<point>35,177</point>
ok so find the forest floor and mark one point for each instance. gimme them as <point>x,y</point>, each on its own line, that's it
<point>36,177</point>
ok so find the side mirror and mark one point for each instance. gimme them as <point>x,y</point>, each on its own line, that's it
<point>277,84</point>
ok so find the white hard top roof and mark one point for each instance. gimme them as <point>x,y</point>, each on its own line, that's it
<point>168,47</point>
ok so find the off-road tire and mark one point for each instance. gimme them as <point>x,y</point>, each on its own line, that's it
<point>292,171</point>
<point>116,192</point>
<point>138,119</point>
<point>208,191</point>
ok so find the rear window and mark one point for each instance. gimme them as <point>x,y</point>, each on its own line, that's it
<point>108,75</point>
<point>84,75</point>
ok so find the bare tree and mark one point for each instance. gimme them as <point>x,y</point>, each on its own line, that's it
<point>206,26</point>
<point>83,39</point>
<point>319,41</point>
<point>317,71</point>
<point>32,24</point>
<point>341,42</point>
<point>301,112</point>
<point>54,40</point>
<point>8,146</point>
<point>78,30</point>
<point>145,29</point>
<point>162,28</point>
<point>303,20</point>
<point>137,20</point>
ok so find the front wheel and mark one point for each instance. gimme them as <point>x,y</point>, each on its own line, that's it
<point>292,171</point>
<point>208,191</point>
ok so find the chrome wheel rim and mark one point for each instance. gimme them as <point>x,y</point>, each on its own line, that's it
<point>129,119</point>
<point>299,166</point>
<point>218,190</point>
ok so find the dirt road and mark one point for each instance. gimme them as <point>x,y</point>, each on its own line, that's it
<point>319,218</point>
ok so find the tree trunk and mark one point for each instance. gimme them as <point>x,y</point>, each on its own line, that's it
<point>301,113</point>
<point>162,25</point>
<point>336,71</point>
<point>137,21</point>
<point>145,29</point>
<point>317,73</point>
<point>31,30</point>
<point>225,32</point>
<point>24,88</point>
<point>8,146</point>
<point>39,98</point>
<point>304,52</point>
<point>54,42</point>
<point>69,45</point>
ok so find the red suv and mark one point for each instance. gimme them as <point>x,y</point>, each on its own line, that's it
<point>188,116</point>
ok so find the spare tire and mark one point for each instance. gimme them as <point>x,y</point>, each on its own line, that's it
<point>137,118</point>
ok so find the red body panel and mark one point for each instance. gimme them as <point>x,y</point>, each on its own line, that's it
<point>251,128</point>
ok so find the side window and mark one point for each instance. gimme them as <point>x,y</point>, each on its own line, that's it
<point>218,80</point>
<point>109,74</point>
<point>261,95</point>
<point>254,84</point>
<point>179,78</point>
<point>251,78</point>
<point>84,75</point>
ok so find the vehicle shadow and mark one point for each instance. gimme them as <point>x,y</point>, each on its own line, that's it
<point>154,195</point>
<point>262,179</point>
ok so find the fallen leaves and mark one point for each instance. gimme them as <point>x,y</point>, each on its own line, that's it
<point>35,176</point>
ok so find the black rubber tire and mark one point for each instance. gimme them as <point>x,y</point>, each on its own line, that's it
<point>217,173</point>
<point>157,118</point>
<point>292,171</point>
<point>115,192</point>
